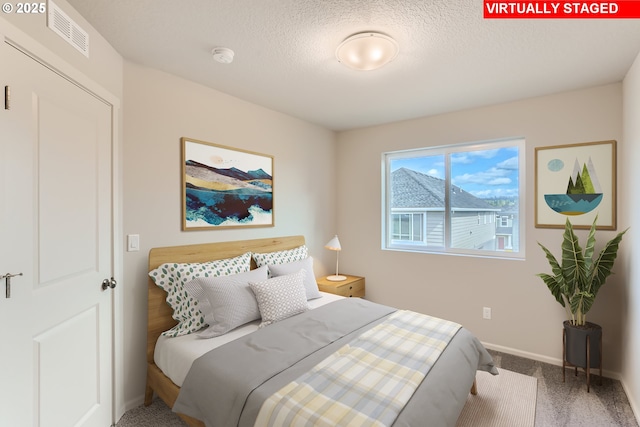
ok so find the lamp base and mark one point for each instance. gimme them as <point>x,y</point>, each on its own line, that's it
<point>335,278</point>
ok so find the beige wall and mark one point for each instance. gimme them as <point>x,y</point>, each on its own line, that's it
<point>631,309</point>
<point>526,318</point>
<point>159,109</point>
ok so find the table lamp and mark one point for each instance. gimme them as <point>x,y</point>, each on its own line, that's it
<point>334,245</point>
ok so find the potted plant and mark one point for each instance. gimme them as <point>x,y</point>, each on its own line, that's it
<point>575,282</point>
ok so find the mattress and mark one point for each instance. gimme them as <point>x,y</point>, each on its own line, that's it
<point>174,356</point>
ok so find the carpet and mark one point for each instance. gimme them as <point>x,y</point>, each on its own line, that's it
<point>508,400</point>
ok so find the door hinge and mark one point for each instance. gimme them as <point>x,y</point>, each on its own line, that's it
<point>7,98</point>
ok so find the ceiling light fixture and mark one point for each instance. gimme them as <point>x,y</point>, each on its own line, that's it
<point>223,55</point>
<point>367,51</point>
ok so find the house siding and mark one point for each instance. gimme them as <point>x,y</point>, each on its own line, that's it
<point>466,233</point>
<point>435,228</point>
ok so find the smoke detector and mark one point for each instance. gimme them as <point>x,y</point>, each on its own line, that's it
<point>223,55</point>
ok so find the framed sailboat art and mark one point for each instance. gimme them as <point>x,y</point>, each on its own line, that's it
<point>578,182</point>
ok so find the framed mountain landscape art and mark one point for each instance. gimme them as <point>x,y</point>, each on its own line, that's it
<point>224,187</point>
<point>578,182</point>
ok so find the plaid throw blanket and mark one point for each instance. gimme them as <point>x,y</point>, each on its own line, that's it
<point>368,381</point>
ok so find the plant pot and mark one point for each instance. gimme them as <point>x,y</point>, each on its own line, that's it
<point>576,344</point>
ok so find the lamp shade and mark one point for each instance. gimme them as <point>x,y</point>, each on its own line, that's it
<point>367,51</point>
<point>334,244</point>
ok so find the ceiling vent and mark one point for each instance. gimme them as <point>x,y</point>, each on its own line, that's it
<point>65,27</point>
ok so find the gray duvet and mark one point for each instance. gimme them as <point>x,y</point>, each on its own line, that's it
<point>226,386</point>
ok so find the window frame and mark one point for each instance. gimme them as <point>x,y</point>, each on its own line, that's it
<point>447,151</point>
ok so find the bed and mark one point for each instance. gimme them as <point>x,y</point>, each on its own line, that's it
<point>439,397</point>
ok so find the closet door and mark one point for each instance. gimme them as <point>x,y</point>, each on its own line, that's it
<point>56,360</point>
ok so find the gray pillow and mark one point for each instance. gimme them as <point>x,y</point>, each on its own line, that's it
<point>280,297</point>
<point>310,285</point>
<point>231,303</point>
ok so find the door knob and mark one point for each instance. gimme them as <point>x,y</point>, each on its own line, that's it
<point>109,283</point>
<point>7,281</point>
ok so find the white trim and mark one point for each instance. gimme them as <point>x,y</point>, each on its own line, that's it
<point>632,400</point>
<point>134,403</point>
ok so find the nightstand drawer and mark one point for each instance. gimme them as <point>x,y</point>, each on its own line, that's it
<point>352,287</point>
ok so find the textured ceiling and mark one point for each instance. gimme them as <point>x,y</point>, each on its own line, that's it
<point>450,57</point>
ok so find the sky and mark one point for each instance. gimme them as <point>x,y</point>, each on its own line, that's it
<point>483,173</point>
<point>225,158</point>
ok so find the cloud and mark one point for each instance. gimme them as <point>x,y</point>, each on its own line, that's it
<point>496,193</point>
<point>497,175</point>
<point>469,156</point>
<point>509,164</point>
<point>493,176</point>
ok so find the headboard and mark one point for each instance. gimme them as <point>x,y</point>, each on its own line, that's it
<point>159,313</point>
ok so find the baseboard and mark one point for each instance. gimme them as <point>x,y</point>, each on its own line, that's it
<point>120,411</point>
<point>632,401</point>
<point>545,359</point>
<point>134,403</point>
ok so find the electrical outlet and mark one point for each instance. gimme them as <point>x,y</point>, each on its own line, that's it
<point>486,313</point>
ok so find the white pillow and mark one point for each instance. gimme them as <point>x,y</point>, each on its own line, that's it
<point>172,277</point>
<point>228,301</point>
<point>280,297</point>
<point>310,284</point>
<point>281,257</point>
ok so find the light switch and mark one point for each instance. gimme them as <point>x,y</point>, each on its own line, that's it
<point>133,242</point>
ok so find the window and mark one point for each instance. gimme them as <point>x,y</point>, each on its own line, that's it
<point>407,226</point>
<point>461,199</point>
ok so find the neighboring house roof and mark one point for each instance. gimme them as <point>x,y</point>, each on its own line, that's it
<point>411,189</point>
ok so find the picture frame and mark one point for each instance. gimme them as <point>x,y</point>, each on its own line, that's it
<point>576,181</point>
<point>225,187</point>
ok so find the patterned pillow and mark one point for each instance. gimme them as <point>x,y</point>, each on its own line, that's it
<point>228,301</point>
<point>280,297</point>
<point>310,284</point>
<point>281,257</point>
<point>171,277</point>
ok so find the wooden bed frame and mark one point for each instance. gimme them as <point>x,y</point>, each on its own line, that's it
<point>160,313</point>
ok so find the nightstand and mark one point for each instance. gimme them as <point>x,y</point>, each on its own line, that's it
<point>352,287</point>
